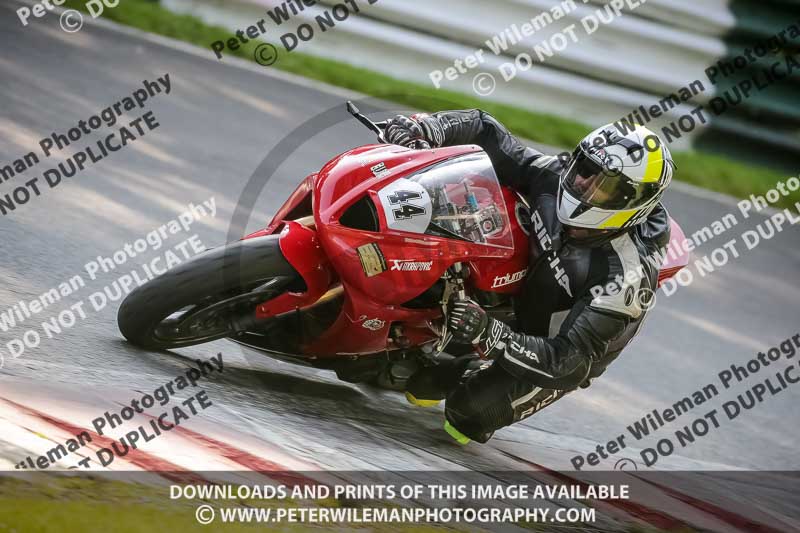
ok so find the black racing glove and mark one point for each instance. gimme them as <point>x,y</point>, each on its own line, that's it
<point>419,131</point>
<point>470,324</point>
<point>467,321</point>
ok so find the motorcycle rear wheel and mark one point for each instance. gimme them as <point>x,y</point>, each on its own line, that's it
<point>208,297</point>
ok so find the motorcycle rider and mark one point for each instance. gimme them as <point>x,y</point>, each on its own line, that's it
<point>596,241</point>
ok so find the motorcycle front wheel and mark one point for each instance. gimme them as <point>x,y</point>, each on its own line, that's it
<point>207,297</point>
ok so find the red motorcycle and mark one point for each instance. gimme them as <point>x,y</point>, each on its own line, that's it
<point>354,272</point>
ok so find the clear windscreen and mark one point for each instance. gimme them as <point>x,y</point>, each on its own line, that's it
<point>459,198</point>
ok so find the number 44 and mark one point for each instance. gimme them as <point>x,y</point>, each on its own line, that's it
<point>406,210</point>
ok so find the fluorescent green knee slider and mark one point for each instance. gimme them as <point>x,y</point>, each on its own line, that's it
<point>456,434</point>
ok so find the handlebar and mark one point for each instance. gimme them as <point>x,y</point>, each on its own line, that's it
<point>380,127</point>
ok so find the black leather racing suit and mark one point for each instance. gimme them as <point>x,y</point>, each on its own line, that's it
<point>580,306</point>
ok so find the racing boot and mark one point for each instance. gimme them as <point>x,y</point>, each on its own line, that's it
<point>430,385</point>
<point>480,404</point>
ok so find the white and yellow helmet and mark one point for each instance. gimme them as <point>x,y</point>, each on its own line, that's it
<point>614,180</point>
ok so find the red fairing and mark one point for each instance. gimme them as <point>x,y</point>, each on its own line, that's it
<point>298,205</point>
<point>388,223</point>
<point>363,326</point>
<point>400,263</point>
<point>300,246</point>
<point>506,277</point>
<point>677,258</point>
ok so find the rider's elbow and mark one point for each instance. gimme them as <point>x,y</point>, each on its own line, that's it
<point>568,375</point>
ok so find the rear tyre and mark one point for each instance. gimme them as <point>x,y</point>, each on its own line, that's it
<point>208,297</point>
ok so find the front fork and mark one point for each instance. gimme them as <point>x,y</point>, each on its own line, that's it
<point>454,289</point>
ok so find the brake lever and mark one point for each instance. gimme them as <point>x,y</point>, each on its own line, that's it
<point>379,128</point>
<point>376,127</point>
<point>458,294</point>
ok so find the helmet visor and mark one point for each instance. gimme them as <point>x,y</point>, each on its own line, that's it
<point>604,186</point>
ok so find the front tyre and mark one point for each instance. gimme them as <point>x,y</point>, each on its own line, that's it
<point>208,297</point>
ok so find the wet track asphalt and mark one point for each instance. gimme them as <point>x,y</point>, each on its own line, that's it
<point>216,127</point>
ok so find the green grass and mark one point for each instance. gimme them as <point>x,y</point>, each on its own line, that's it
<point>49,503</point>
<point>699,168</point>
<point>54,504</point>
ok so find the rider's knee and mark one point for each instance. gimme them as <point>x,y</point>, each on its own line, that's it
<point>480,405</point>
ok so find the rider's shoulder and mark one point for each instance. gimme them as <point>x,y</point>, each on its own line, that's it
<point>548,162</point>
<point>655,230</point>
<point>625,268</point>
<point>545,165</point>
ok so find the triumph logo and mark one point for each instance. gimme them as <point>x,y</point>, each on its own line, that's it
<point>404,265</point>
<point>508,279</point>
